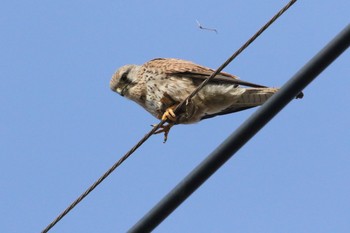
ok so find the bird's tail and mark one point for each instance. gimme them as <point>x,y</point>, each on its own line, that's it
<point>252,97</point>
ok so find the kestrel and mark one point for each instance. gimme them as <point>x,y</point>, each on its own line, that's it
<point>161,84</point>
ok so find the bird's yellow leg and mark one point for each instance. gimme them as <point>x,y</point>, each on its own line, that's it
<point>169,116</point>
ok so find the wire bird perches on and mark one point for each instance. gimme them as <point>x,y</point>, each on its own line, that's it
<point>229,147</point>
<point>156,127</point>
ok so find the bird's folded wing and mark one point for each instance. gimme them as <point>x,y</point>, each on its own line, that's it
<point>186,69</point>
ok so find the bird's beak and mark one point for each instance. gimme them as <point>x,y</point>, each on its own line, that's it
<point>121,91</point>
<point>118,90</point>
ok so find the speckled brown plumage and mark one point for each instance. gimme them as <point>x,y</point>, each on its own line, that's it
<point>163,83</point>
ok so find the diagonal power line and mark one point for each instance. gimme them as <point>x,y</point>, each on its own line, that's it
<point>155,128</point>
<point>235,54</point>
<point>243,134</point>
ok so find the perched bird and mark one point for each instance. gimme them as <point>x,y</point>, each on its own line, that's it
<point>161,84</point>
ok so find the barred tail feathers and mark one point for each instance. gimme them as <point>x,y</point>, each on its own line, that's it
<point>255,96</point>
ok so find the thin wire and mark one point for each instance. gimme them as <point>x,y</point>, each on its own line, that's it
<point>160,124</point>
<point>228,61</point>
<point>245,132</point>
<point>104,176</point>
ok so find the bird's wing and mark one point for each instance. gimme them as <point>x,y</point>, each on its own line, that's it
<point>227,111</point>
<point>181,68</point>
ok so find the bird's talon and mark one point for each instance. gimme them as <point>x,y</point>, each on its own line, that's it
<point>169,115</point>
<point>164,129</point>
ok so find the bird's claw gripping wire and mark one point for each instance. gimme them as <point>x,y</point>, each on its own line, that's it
<point>171,118</point>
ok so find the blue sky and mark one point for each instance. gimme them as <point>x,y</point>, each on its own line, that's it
<point>61,127</point>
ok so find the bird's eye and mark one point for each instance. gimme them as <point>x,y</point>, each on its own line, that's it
<point>124,77</point>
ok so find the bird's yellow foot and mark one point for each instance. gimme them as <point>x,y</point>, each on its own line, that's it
<point>169,114</point>
<point>171,118</point>
<point>164,129</point>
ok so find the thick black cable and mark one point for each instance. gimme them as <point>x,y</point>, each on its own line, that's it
<point>160,124</point>
<point>244,133</point>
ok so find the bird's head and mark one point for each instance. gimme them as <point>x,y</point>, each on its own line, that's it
<point>123,79</point>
